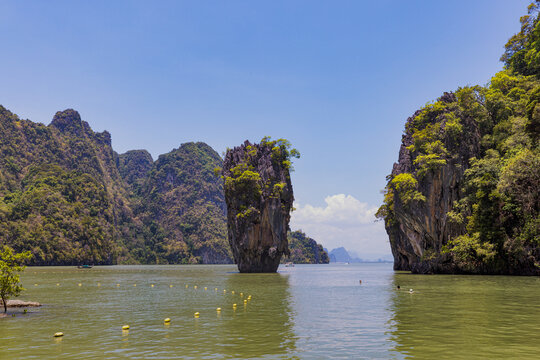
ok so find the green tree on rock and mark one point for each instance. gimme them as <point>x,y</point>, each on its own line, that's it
<point>10,265</point>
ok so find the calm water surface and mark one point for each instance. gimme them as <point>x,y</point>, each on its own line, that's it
<point>303,312</point>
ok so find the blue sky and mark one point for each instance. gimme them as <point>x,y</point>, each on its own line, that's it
<point>336,78</point>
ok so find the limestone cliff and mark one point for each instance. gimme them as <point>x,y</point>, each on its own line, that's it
<point>419,228</point>
<point>463,196</point>
<point>259,197</point>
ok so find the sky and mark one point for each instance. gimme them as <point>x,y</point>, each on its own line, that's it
<point>336,78</point>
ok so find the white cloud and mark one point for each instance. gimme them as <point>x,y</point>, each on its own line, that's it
<point>344,221</point>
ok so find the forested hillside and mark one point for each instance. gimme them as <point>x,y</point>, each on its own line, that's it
<point>66,196</point>
<point>70,199</point>
<point>304,250</point>
<point>464,195</point>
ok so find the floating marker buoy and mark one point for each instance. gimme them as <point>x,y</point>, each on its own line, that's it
<point>241,294</point>
<point>167,320</point>
<point>35,284</point>
<point>195,287</point>
<point>224,291</point>
<point>187,286</point>
<point>125,327</point>
<point>245,301</point>
<point>98,284</point>
<point>58,334</point>
<point>234,305</point>
<point>411,291</point>
<point>249,297</point>
<point>152,285</point>
<point>117,284</point>
<point>205,288</point>
<point>57,284</point>
<point>196,314</point>
<point>134,284</point>
<point>232,292</point>
<point>218,309</point>
<point>215,289</point>
<point>170,286</point>
<point>80,284</point>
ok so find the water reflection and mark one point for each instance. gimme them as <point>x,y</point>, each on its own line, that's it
<point>264,325</point>
<point>465,316</point>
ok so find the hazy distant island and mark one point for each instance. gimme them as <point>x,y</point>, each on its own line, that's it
<point>70,199</point>
<point>464,194</point>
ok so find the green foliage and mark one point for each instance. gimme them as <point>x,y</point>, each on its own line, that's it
<point>522,53</point>
<point>405,186</point>
<point>281,151</point>
<point>469,252</point>
<point>69,199</point>
<point>10,264</point>
<point>246,185</point>
<point>182,209</point>
<point>492,133</point>
<point>304,250</point>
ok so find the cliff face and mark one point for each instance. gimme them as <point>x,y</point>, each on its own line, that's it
<point>60,192</point>
<point>420,228</point>
<point>66,196</point>
<point>184,198</point>
<point>464,196</point>
<point>259,197</point>
<point>452,203</point>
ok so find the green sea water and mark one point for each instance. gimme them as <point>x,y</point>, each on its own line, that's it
<point>302,312</point>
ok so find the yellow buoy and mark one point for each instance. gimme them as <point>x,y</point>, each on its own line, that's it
<point>245,301</point>
<point>249,297</point>
<point>35,284</point>
<point>234,305</point>
<point>152,285</point>
<point>167,320</point>
<point>170,286</point>
<point>224,291</point>
<point>57,284</point>
<point>117,284</point>
<point>215,289</point>
<point>232,292</point>
<point>187,286</point>
<point>134,284</point>
<point>98,284</point>
<point>125,327</point>
<point>195,287</point>
<point>196,314</point>
<point>218,309</point>
<point>205,288</point>
<point>80,284</point>
<point>58,334</point>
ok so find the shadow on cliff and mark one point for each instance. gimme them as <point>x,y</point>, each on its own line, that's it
<point>263,327</point>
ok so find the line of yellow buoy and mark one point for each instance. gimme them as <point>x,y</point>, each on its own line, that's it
<point>170,286</point>
<point>167,321</point>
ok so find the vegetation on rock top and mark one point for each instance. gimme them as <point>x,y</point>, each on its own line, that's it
<point>485,141</point>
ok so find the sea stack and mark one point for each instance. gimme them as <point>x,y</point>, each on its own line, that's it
<point>259,197</point>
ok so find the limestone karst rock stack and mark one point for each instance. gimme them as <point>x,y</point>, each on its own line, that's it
<point>259,198</point>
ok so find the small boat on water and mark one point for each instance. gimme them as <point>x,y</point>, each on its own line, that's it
<point>85,266</point>
<point>289,264</point>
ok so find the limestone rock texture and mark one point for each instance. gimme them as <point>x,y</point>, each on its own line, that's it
<point>418,230</point>
<point>259,198</point>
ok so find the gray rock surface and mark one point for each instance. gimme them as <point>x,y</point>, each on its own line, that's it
<point>257,214</point>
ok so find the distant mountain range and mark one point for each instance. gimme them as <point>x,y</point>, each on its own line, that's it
<point>341,255</point>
